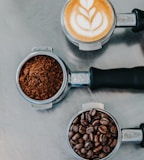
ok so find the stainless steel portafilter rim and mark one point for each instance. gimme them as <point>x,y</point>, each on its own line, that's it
<point>60,91</point>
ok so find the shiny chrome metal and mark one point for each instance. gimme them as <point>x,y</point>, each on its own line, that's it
<point>78,79</point>
<point>126,20</point>
<point>132,135</point>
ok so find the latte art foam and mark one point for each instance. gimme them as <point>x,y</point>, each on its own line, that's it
<point>88,20</point>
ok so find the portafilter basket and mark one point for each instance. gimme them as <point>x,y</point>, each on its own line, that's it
<point>95,78</point>
<point>135,135</point>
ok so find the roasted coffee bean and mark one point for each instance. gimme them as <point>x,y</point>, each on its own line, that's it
<point>76,136</point>
<point>88,117</point>
<point>83,150</point>
<point>103,129</point>
<point>106,149</point>
<point>73,142</point>
<point>84,122</point>
<point>104,121</point>
<point>71,127</point>
<point>82,116</point>
<point>98,149</point>
<point>110,141</point>
<point>70,134</point>
<point>78,146</point>
<point>93,134</point>
<point>89,154</point>
<point>85,137</point>
<point>103,138</point>
<point>93,112</point>
<point>75,128</point>
<point>75,121</point>
<point>82,129</point>
<point>88,145</point>
<point>97,144</point>
<point>96,122</point>
<point>113,129</point>
<point>89,130</point>
<point>80,140</point>
<point>102,155</point>
<point>96,138</point>
<point>114,142</point>
<point>104,115</point>
<point>108,134</point>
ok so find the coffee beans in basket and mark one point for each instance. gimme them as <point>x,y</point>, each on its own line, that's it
<point>41,77</point>
<point>93,134</point>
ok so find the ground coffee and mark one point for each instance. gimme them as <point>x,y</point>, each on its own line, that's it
<point>93,134</point>
<point>41,77</point>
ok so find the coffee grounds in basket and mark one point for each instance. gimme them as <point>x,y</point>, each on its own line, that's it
<point>41,77</point>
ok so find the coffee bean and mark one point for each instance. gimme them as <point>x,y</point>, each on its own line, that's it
<point>88,117</point>
<point>88,145</point>
<point>82,129</point>
<point>85,137</point>
<point>78,146</point>
<point>75,121</point>
<point>114,142</point>
<point>103,138</point>
<point>70,134</point>
<point>96,122</point>
<point>73,142</point>
<point>113,129</point>
<point>102,155</point>
<point>75,128</point>
<point>106,149</point>
<point>97,144</point>
<point>82,116</point>
<point>90,154</point>
<point>89,130</point>
<point>76,137</point>
<point>104,115</point>
<point>97,149</point>
<point>80,140</point>
<point>84,122</point>
<point>96,138</point>
<point>93,112</point>
<point>103,129</point>
<point>93,134</point>
<point>104,121</point>
<point>83,150</point>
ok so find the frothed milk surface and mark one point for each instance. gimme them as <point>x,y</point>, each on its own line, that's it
<point>88,20</point>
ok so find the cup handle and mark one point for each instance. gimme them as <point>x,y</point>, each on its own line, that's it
<point>139,20</point>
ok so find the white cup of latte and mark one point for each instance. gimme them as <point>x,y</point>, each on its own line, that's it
<point>89,24</point>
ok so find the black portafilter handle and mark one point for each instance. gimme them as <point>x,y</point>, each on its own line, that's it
<point>123,78</point>
<point>142,128</point>
<point>139,20</point>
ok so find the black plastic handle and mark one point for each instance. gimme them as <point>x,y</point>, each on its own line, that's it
<point>142,127</point>
<point>139,20</point>
<point>117,78</point>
